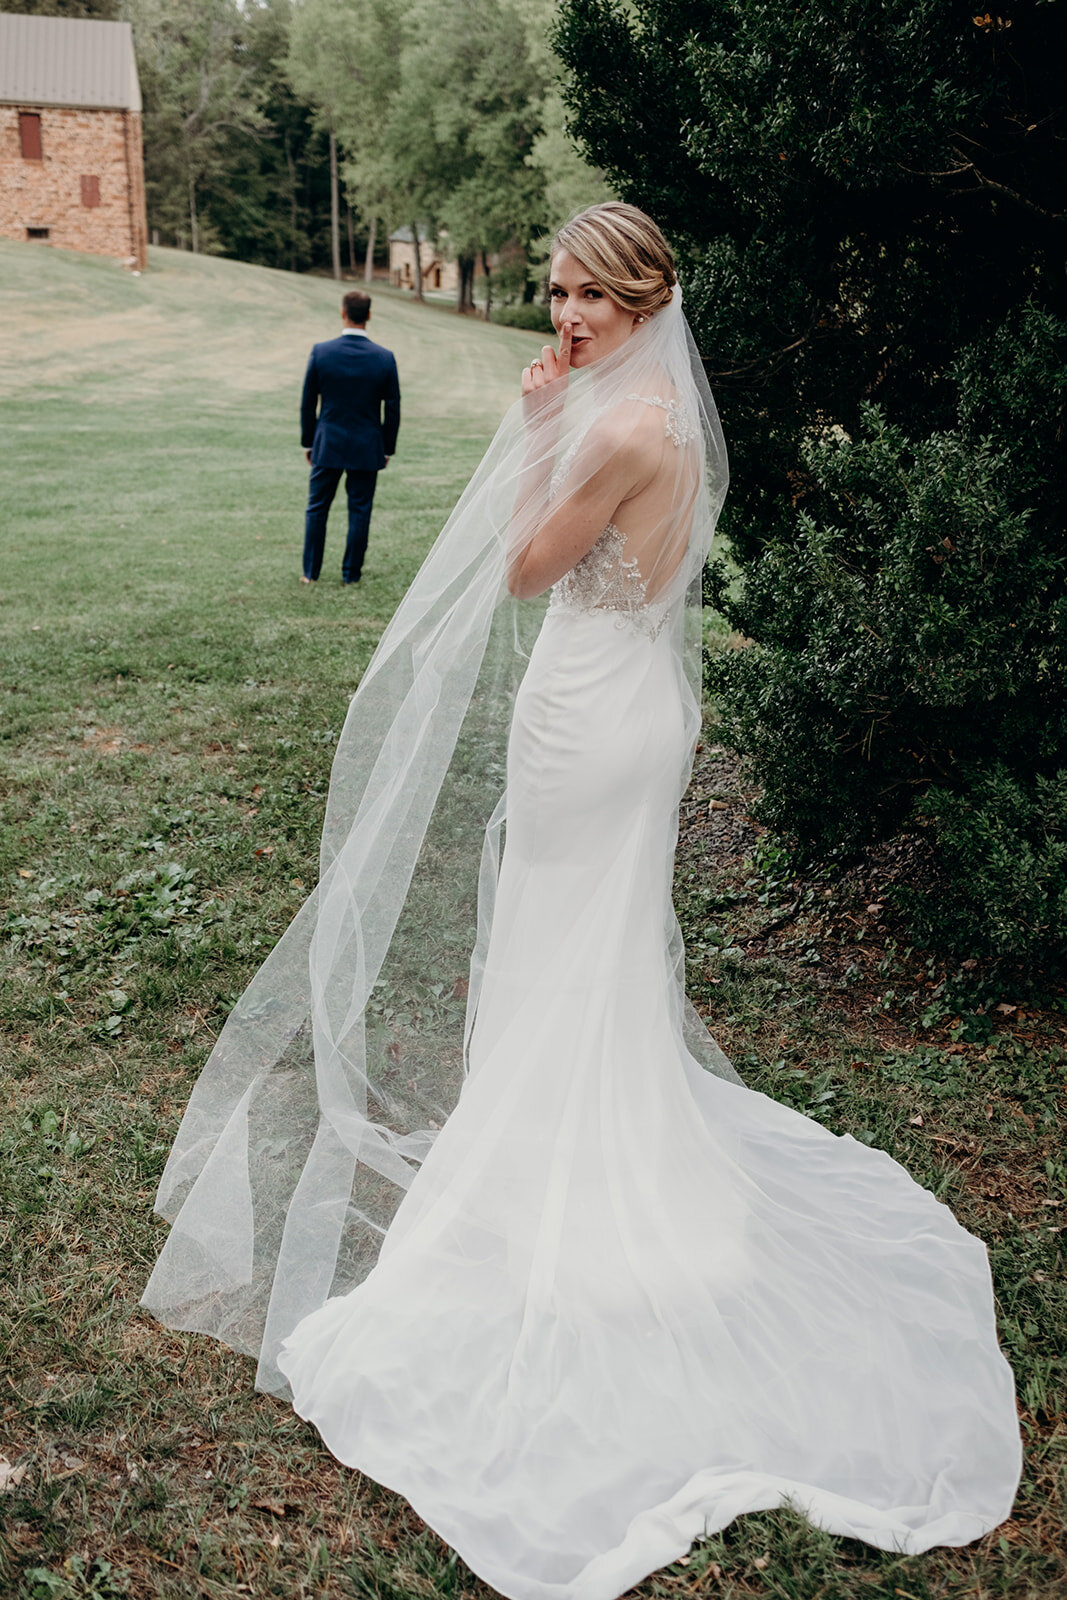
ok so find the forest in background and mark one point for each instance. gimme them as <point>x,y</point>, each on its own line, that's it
<point>299,133</point>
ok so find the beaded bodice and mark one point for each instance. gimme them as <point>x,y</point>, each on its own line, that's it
<point>604,580</point>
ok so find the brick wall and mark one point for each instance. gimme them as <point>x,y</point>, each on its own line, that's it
<point>50,194</point>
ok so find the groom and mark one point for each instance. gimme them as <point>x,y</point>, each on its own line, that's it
<point>354,379</point>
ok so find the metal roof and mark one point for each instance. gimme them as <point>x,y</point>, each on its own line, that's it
<point>67,61</point>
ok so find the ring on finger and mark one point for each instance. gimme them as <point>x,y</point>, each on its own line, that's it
<point>537,363</point>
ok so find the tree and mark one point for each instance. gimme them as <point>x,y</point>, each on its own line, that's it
<point>364,115</point>
<point>259,186</point>
<point>199,92</point>
<point>570,182</point>
<point>277,198</point>
<point>258,112</point>
<point>870,210</point>
<point>102,10</point>
<point>857,191</point>
<point>325,43</point>
<point>461,128</point>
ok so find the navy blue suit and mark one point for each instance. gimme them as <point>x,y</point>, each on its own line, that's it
<point>349,418</point>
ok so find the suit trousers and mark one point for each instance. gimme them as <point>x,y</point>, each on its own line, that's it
<point>359,487</point>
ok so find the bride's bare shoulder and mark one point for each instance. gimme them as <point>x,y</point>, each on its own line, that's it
<point>631,425</point>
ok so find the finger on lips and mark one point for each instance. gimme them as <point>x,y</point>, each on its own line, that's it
<point>548,365</point>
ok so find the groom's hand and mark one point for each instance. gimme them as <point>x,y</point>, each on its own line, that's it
<point>549,366</point>
<point>307,457</point>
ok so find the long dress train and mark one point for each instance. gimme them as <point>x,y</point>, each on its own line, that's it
<point>625,1300</point>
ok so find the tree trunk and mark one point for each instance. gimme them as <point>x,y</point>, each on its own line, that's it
<point>194,221</point>
<point>418,259</point>
<point>465,299</point>
<point>488,285</point>
<point>335,209</point>
<point>351,239</point>
<point>372,240</point>
<point>293,214</point>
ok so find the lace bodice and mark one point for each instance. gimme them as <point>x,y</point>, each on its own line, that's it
<point>604,580</point>
<point>603,577</point>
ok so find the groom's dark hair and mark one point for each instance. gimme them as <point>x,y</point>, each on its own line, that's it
<point>356,306</point>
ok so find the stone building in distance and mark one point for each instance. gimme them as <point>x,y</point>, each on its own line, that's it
<point>71,158</point>
<point>437,271</point>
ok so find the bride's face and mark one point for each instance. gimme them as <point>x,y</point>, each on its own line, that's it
<point>600,325</point>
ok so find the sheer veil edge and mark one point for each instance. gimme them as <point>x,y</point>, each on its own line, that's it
<point>346,1053</point>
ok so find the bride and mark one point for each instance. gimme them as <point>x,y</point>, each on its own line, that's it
<point>505,1225</point>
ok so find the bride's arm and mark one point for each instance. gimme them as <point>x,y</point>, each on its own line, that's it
<point>566,530</point>
<point>542,415</point>
<point>543,543</point>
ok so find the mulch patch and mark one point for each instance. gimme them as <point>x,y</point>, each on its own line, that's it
<point>862,945</point>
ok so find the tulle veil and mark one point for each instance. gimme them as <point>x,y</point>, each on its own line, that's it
<point>346,1053</point>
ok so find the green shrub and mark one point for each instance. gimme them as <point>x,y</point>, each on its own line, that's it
<point>866,202</point>
<point>856,193</point>
<point>1006,841</point>
<point>911,654</point>
<point>533,317</point>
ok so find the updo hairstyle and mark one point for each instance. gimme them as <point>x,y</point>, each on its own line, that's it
<point>625,252</point>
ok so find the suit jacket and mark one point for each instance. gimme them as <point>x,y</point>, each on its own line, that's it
<point>354,379</point>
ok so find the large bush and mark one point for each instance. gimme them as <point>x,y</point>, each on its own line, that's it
<point>533,316</point>
<point>1004,839</point>
<point>870,209</point>
<point>912,654</point>
<point>857,190</point>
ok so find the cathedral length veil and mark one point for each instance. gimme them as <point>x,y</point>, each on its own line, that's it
<point>346,1053</point>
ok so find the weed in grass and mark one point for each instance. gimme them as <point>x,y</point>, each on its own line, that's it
<point>78,1579</point>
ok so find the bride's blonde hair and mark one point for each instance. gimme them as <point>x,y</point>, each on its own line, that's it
<point>625,252</point>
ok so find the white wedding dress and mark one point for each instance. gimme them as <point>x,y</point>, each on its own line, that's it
<point>624,1299</point>
<point>578,1297</point>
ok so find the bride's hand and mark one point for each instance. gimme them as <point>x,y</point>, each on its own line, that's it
<point>549,366</point>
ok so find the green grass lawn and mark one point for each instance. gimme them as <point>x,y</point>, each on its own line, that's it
<point>170,697</point>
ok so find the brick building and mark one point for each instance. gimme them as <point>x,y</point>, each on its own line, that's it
<point>71,159</point>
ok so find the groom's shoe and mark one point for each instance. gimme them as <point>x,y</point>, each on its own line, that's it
<point>349,583</point>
